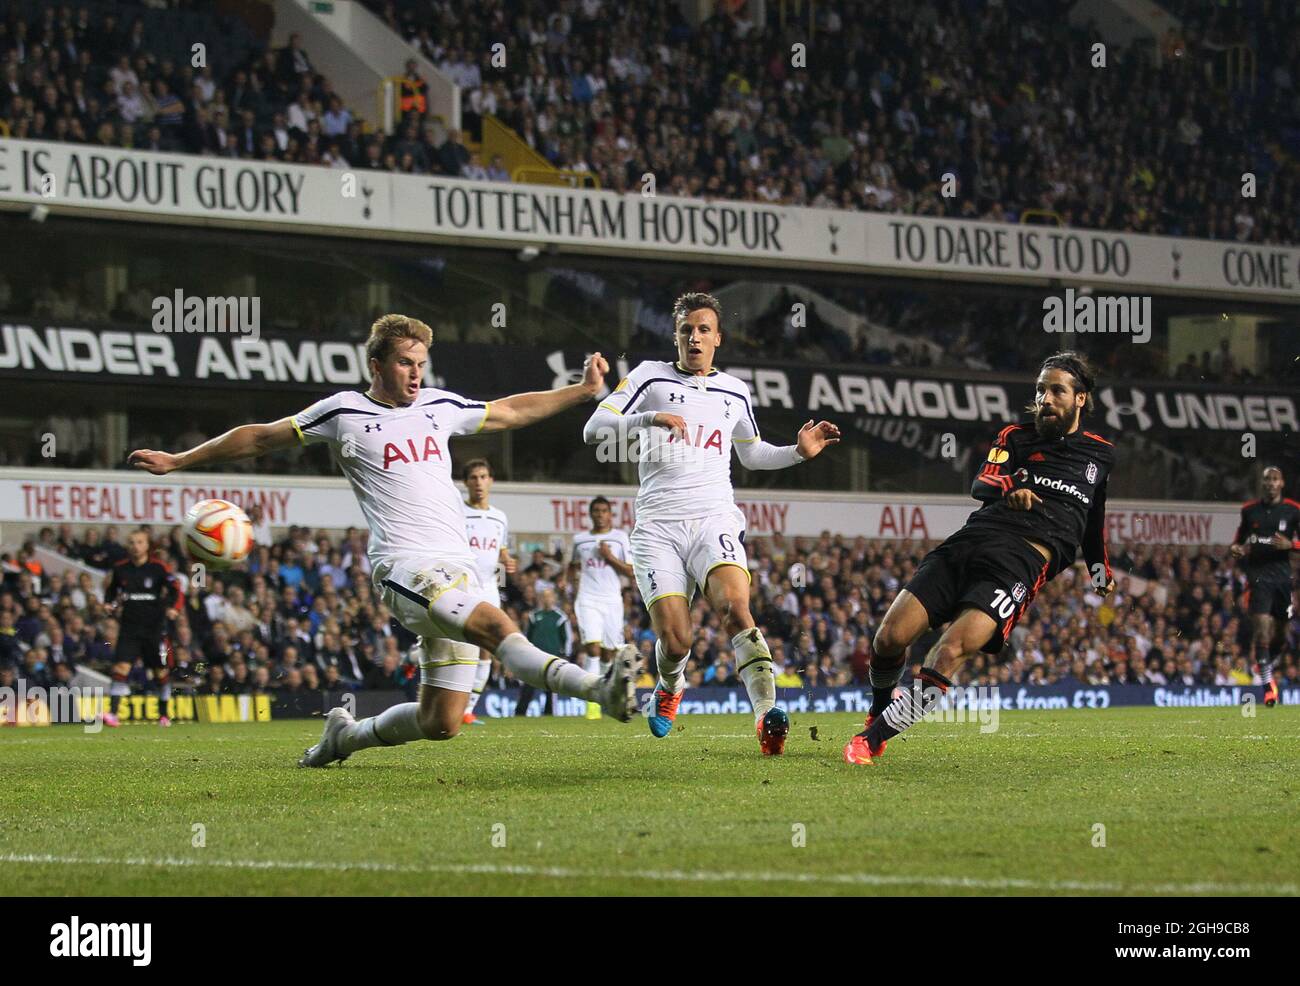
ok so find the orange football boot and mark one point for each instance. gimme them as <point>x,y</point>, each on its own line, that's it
<point>772,730</point>
<point>665,711</point>
<point>858,750</point>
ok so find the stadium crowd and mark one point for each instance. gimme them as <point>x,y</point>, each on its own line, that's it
<point>116,77</point>
<point>301,616</point>
<point>880,101</point>
<point>877,106</point>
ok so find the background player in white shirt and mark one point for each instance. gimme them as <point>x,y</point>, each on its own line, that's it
<point>689,532</point>
<point>391,444</point>
<point>488,531</point>
<point>600,559</point>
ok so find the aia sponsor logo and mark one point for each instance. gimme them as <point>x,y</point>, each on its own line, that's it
<point>713,441</point>
<point>395,452</point>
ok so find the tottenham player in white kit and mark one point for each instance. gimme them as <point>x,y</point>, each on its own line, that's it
<point>391,443</point>
<point>689,532</point>
<point>488,531</point>
<point>600,559</point>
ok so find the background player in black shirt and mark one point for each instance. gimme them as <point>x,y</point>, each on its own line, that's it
<point>1043,493</point>
<point>143,596</point>
<point>1269,531</point>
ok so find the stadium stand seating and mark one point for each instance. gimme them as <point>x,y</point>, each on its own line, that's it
<point>885,108</point>
<point>882,111</point>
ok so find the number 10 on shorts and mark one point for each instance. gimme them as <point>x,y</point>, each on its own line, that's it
<point>1003,604</point>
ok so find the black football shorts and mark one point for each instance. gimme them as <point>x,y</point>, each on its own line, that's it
<point>145,645</point>
<point>1271,598</point>
<point>996,573</point>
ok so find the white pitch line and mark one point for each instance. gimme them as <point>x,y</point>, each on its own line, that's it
<point>666,876</point>
<point>578,737</point>
<point>625,737</point>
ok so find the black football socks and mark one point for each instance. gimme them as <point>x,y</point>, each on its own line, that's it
<point>908,709</point>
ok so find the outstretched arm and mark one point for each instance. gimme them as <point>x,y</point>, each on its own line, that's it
<point>238,443</point>
<point>522,410</point>
<point>755,453</point>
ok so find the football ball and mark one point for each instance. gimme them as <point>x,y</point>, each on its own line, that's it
<point>217,533</point>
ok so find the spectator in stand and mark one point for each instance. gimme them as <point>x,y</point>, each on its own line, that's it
<point>413,92</point>
<point>474,169</point>
<point>497,170</point>
<point>453,156</point>
<point>132,106</point>
<point>169,111</point>
<point>292,62</point>
<point>337,119</point>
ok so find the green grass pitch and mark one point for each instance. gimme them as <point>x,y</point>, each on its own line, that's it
<point>1193,801</point>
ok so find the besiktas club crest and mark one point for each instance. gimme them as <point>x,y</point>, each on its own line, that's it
<point>1090,474</point>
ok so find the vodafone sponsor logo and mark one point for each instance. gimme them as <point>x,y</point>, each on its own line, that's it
<point>1061,487</point>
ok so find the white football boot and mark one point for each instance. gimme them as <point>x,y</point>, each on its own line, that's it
<point>618,688</point>
<point>326,751</point>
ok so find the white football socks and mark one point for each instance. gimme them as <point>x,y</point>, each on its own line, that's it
<point>534,666</point>
<point>754,666</point>
<point>670,669</point>
<point>591,664</point>
<point>480,682</point>
<point>392,727</point>
<point>529,664</point>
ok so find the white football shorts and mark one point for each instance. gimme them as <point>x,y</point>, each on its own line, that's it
<point>433,600</point>
<point>600,621</point>
<point>673,557</point>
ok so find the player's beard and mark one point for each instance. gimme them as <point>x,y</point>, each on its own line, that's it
<point>1057,426</point>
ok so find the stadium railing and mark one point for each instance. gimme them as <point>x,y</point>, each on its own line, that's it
<point>516,155</point>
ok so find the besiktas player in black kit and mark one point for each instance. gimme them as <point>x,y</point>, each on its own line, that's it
<point>141,590</point>
<point>1268,533</point>
<point>1043,493</point>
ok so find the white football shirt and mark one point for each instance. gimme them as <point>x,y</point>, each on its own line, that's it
<point>599,579</point>
<point>488,532</point>
<point>398,463</point>
<point>681,480</point>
